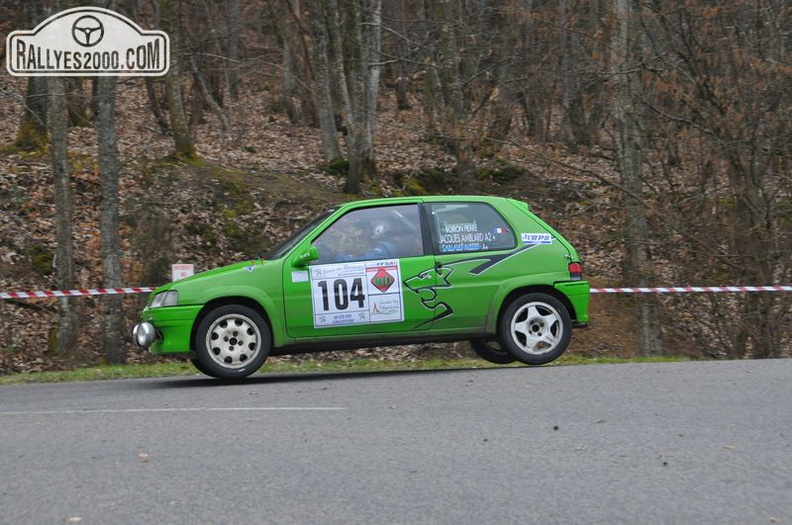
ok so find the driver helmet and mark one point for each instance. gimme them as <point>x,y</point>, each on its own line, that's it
<point>386,228</point>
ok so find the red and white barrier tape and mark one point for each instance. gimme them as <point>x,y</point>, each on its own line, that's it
<point>74,293</point>
<point>695,289</point>
<point>673,289</point>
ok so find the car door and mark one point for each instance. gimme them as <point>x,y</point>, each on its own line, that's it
<point>475,248</point>
<point>356,286</point>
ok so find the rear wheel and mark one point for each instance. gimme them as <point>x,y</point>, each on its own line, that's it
<point>231,342</point>
<point>535,328</point>
<point>491,350</point>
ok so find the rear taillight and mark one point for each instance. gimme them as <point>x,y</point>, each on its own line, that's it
<point>575,271</point>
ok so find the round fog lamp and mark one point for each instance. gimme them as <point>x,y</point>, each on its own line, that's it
<point>144,334</point>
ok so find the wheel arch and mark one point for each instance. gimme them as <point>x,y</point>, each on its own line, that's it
<point>231,300</point>
<point>522,290</point>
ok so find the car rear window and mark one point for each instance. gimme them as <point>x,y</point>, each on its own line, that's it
<point>469,227</point>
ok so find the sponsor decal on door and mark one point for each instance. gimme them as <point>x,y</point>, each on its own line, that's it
<point>364,292</point>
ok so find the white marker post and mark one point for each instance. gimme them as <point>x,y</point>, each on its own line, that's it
<point>181,271</point>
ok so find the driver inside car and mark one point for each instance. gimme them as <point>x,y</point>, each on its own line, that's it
<point>386,238</point>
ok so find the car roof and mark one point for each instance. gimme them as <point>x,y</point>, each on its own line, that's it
<point>423,198</point>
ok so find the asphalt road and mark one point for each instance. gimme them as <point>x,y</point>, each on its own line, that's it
<point>634,443</point>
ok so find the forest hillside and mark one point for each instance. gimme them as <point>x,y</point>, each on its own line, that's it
<point>656,139</point>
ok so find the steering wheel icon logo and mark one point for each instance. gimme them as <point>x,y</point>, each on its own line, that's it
<point>87,31</point>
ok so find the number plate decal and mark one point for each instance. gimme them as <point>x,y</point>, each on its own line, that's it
<point>363,292</point>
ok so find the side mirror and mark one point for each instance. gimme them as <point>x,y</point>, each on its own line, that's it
<point>311,255</point>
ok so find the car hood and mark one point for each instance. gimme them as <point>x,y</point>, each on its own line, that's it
<point>236,267</point>
<point>196,281</point>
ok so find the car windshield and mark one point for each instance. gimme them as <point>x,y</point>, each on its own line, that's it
<point>283,248</point>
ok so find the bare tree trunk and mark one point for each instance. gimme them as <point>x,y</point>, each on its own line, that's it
<point>323,95</point>
<point>68,314</point>
<point>432,93</point>
<point>289,66</point>
<point>502,100</point>
<point>154,104</point>
<point>402,83</point>
<point>184,146</point>
<point>358,89</point>
<point>234,31</point>
<point>337,70</point>
<point>567,76</point>
<point>629,144</point>
<point>77,103</point>
<point>204,96</point>
<point>372,48</point>
<point>532,95</point>
<point>753,242</point>
<point>364,90</point>
<point>362,163</point>
<point>581,67</point>
<point>32,134</point>
<point>112,314</point>
<point>453,97</point>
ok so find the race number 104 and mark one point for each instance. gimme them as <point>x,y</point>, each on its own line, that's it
<point>338,295</point>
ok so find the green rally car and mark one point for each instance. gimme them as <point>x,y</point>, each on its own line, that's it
<point>382,272</point>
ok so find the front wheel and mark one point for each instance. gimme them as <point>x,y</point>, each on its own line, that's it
<point>231,342</point>
<point>535,328</point>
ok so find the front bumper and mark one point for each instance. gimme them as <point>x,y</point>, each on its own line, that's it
<point>166,330</point>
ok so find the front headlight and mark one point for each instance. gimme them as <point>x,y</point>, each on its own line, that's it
<point>169,298</point>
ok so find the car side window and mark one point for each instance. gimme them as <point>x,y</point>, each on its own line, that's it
<point>385,232</point>
<point>469,227</point>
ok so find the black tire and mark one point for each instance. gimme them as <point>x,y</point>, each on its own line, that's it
<point>197,364</point>
<point>231,342</point>
<point>491,350</point>
<point>535,328</point>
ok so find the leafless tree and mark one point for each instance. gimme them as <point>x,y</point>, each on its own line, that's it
<point>68,311</point>
<point>184,145</point>
<point>32,134</point>
<point>112,315</point>
<point>628,126</point>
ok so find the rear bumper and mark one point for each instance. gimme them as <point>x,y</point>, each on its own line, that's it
<point>578,293</point>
